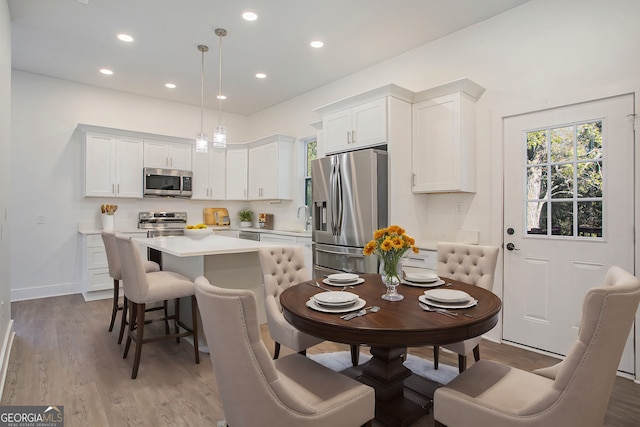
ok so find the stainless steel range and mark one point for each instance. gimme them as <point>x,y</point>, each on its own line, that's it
<point>161,224</point>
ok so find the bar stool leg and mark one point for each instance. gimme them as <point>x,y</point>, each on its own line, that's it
<point>115,307</point>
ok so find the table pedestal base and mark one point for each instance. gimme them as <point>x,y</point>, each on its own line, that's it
<point>401,397</point>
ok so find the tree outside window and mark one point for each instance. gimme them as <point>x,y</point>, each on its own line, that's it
<point>564,176</point>
<point>311,153</point>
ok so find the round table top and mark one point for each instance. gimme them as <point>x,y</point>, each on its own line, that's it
<point>398,323</point>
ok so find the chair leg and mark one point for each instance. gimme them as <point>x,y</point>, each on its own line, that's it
<point>462,363</point>
<point>177,318</point>
<point>355,354</point>
<point>476,352</point>
<point>140,311</point>
<point>132,322</point>
<point>194,320</point>
<point>436,356</point>
<point>115,307</point>
<point>123,320</point>
<point>276,351</point>
<point>166,317</point>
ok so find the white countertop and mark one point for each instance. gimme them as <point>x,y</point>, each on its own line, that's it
<point>184,246</point>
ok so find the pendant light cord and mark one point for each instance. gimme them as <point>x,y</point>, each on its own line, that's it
<point>220,32</point>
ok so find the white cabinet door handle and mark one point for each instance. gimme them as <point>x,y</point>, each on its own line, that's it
<point>353,136</point>
<point>348,137</point>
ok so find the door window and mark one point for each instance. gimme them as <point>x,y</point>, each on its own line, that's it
<point>564,181</point>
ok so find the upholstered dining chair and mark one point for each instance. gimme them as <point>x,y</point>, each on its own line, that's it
<point>472,264</point>
<point>283,267</point>
<point>141,288</point>
<point>256,390</point>
<point>574,392</point>
<point>115,272</point>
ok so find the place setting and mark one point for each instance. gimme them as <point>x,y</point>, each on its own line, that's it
<point>422,280</point>
<point>444,300</point>
<point>335,302</point>
<point>342,279</point>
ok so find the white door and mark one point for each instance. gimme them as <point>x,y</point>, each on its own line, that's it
<point>568,216</point>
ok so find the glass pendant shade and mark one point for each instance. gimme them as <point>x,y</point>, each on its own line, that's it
<point>220,137</point>
<point>202,144</point>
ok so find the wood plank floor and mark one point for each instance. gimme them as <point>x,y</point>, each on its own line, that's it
<point>63,355</point>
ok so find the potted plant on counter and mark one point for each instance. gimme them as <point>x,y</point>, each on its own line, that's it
<point>246,218</point>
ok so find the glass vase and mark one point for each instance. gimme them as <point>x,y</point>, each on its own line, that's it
<point>390,273</point>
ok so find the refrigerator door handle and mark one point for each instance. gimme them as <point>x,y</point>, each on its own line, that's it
<point>346,254</point>
<point>339,200</point>
<point>332,197</point>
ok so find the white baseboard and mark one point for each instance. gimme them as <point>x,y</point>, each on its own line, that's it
<point>45,291</point>
<point>5,353</point>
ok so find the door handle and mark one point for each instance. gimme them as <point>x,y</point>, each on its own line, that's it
<point>512,247</point>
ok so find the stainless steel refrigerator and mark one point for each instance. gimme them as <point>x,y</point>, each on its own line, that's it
<point>349,204</point>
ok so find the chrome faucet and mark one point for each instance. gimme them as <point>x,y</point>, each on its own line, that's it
<point>307,216</point>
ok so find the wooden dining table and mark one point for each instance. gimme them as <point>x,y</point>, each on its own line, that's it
<point>388,332</point>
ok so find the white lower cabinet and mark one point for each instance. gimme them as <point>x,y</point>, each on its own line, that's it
<point>96,282</point>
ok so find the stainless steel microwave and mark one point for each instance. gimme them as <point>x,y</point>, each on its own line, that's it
<point>167,182</point>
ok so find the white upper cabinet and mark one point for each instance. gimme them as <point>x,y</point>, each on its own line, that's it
<point>443,143</point>
<point>167,155</point>
<point>113,166</point>
<point>209,175</point>
<point>357,127</point>
<point>270,168</point>
<point>237,168</point>
<point>360,121</point>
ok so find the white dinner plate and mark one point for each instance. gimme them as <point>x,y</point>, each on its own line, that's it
<point>311,303</point>
<point>447,295</point>
<point>343,277</point>
<point>335,298</point>
<point>439,282</point>
<point>431,303</point>
<point>425,277</point>
<point>355,282</point>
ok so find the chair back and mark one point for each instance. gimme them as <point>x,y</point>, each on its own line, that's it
<point>584,380</point>
<point>134,276</point>
<point>282,267</point>
<point>113,260</point>
<point>472,264</point>
<point>251,389</point>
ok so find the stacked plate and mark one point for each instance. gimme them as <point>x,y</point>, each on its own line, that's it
<point>447,298</point>
<point>342,279</point>
<point>335,302</point>
<point>426,279</point>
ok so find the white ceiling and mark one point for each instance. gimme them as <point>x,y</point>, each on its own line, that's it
<point>73,39</point>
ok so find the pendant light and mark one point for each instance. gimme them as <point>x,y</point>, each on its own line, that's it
<point>202,145</point>
<point>220,132</point>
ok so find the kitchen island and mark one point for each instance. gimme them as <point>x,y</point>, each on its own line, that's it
<point>226,262</point>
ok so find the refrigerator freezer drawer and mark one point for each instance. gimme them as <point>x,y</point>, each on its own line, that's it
<point>343,258</point>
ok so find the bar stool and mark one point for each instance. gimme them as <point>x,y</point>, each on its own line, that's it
<point>141,288</point>
<point>115,272</point>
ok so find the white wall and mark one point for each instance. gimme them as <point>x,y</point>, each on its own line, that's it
<point>5,197</point>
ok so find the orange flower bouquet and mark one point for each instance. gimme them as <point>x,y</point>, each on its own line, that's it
<point>389,245</point>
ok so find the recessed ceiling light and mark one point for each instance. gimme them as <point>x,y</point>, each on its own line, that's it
<point>221,97</point>
<point>106,71</point>
<point>125,38</point>
<point>317,44</point>
<point>261,75</point>
<point>170,85</point>
<point>249,16</point>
